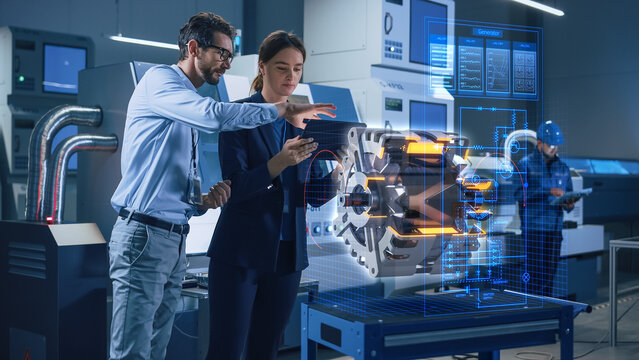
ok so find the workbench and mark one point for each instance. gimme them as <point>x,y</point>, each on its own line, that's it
<point>456,322</point>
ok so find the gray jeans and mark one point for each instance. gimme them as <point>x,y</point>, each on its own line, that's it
<point>146,265</point>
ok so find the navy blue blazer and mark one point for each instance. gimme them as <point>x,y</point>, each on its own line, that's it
<point>248,230</point>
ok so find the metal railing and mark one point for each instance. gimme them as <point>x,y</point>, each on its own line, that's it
<point>615,245</point>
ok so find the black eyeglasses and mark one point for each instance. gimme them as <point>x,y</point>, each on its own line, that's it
<point>224,54</point>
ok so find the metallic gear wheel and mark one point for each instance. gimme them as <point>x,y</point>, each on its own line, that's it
<point>403,201</point>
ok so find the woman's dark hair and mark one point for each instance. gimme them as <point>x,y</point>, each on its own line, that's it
<point>276,41</point>
<point>201,28</point>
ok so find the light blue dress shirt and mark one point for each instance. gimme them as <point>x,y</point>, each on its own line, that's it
<point>157,146</point>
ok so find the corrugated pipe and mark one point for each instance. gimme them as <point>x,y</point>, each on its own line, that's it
<point>40,147</point>
<point>54,204</point>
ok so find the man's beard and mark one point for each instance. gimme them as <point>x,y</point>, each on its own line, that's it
<point>207,73</point>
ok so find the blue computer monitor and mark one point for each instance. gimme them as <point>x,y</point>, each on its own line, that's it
<point>427,116</point>
<point>61,67</point>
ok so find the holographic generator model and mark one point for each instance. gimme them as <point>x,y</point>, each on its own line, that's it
<point>409,198</point>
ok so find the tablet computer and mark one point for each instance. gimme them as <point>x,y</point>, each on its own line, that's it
<point>330,135</point>
<point>572,195</point>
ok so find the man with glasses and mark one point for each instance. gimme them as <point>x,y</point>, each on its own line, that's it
<point>546,178</point>
<point>160,186</point>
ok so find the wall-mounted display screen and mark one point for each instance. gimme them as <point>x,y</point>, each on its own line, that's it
<point>61,67</point>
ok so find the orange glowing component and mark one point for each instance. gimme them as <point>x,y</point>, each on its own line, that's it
<point>381,153</point>
<point>467,234</point>
<point>376,216</point>
<point>413,138</point>
<point>444,139</point>
<point>425,148</point>
<point>409,236</point>
<point>437,230</point>
<point>376,178</point>
<point>482,185</point>
<point>466,154</point>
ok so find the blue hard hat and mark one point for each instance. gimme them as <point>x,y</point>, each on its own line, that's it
<point>550,133</point>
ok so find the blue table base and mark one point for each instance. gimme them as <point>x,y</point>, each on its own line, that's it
<point>409,336</point>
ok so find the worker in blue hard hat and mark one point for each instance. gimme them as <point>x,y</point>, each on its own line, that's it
<point>546,178</point>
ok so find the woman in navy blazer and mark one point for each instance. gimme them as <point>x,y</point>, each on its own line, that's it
<point>258,250</point>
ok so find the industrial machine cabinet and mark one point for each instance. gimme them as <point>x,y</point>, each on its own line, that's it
<point>56,279</point>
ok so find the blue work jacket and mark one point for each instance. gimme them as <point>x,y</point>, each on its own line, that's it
<point>248,230</point>
<point>535,210</point>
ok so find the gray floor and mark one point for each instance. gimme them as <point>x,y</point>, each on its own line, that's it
<point>591,332</point>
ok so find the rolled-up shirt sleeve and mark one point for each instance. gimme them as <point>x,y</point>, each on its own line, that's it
<point>169,98</point>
